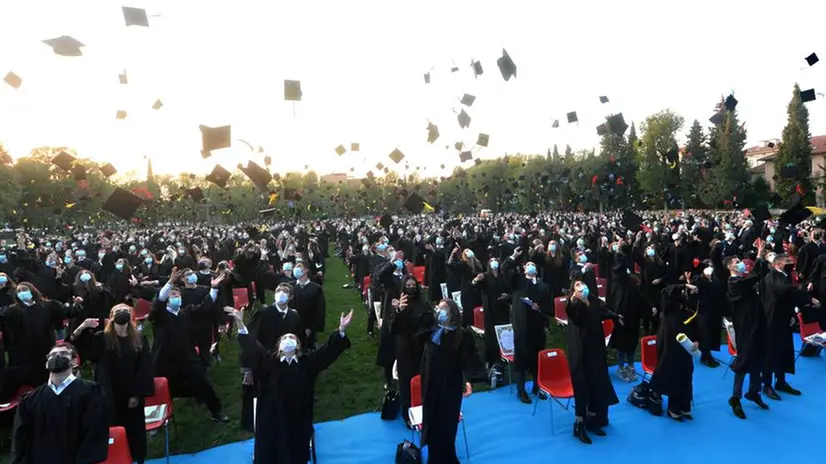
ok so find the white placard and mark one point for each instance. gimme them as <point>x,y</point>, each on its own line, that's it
<point>457,297</point>
<point>415,415</point>
<point>154,414</point>
<point>445,293</point>
<point>504,336</point>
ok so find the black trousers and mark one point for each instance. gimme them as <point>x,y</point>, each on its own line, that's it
<point>754,382</point>
<point>769,374</point>
<point>190,380</point>
<point>679,399</point>
<point>521,376</point>
<point>442,454</point>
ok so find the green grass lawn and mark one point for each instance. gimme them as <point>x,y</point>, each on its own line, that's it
<point>353,385</point>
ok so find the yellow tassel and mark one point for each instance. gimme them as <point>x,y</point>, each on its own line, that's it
<point>688,321</point>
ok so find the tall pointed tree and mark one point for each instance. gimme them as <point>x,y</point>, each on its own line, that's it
<point>793,164</point>
<point>555,155</point>
<point>569,152</point>
<point>728,177</point>
<point>694,164</point>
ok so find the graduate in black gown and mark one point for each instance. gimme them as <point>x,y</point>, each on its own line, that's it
<point>449,364</point>
<point>123,368</point>
<point>63,421</point>
<point>436,256</point>
<point>713,305</point>
<point>495,286</point>
<point>674,373</point>
<point>286,381</point>
<point>588,361</point>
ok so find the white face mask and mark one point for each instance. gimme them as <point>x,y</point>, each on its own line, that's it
<point>281,298</point>
<point>708,271</point>
<point>288,345</point>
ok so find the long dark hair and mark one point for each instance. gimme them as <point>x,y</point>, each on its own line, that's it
<point>36,295</point>
<point>455,321</point>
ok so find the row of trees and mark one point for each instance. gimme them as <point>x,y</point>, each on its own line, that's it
<point>628,171</point>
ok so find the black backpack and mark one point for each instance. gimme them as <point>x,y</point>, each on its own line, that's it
<point>408,453</point>
<point>390,405</point>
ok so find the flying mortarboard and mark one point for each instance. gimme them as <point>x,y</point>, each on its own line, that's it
<point>795,215</point>
<point>157,105</point>
<point>603,99</point>
<point>465,156</point>
<point>65,46</point>
<point>13,80</point>
<point>135,16</point>
<point>215,138</point>
<point>414,203</point>
<point>340,150</point>
<point>121,114</point>
<point>572,117</point>
<point>432,132</point>
<point>386,220</point>
<point>464,120</point>
<point>379,166</point>
<point>267,160</point>
<point>122,203</point>
<point>397,156</point>
<point>555,123</point>
<point>258,175</point>
<point>718,118</point>
<point>354,146</point>
<point>219,176</point>
<point>108,170</point>
<point>477,68</point>
<point>807,95</point>
<point>482,140</point>
<point>64,161</point>
<point>730,103</point>
<point>760,214</point>
<point>196,194</point>
<point>506,66</point>
<point>79,172</point>
<point>122,78</point>
<point>812,59</point>
<point>602,129</point>
<point>468,99</point>
<point>477,162</point>
<point>292,90</point>
<point>427,78</point>
<point>617,125</point>
<point>386,169</point>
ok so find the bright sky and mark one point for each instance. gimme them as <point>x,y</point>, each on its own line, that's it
<point>361,64</point>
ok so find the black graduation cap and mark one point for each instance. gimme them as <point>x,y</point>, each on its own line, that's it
<point>482,140</point>
<point>386,169</point>
<point>617,125</point>
<point>258,175</point>
<point>477,162</point>
<point>121,114</point>
<point>477,69</point>
<point>506,65</point>
<point>555,123</point>
<point>135,16</point>
<point>396,156</point>
<point>292,90</point>
<point>157,105</point>
<point>468,99</point>
<point>427,78</point>
<point>267,160</point>
<point>458,146</point>
<point>414,203</point>
<point>122,78</point>
<point>196,194</point>
<point>464,120</point>
<point>602,129</point>
<point>812,59</point>
<point>432,132</point>
<point>807,95</point>
<point>65,46</point>
<point>718,118</point>
<point>340,150</point>
<point>572,117</point>
<point>465,156</point>
<point>631,221</point>
<point>760,214</point>
<point>219,176</point>
<point>379,166</point>
<point>454,69</point>
<point>386,221</point>
<point>64,161</point>
<point>673,154</point>
<point>789,171</point>
<point>354,146</point>
<point>215,138</point>
<point>79,172</point>
<point>13,80</point>
<point>730,103</point>
<point>108,170</point>
<point>795,215</point>
<point>603,99</point>
<point>122,203</point>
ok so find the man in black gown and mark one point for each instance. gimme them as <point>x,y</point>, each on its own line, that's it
<point>77,405</point>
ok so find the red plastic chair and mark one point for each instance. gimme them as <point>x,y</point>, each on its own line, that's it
<point>554,379</point>
<point>731,351</point>
<point>648,355</point>
<point>602,288</point>
<point>365,285</point>
<point>607,329</point>
<point>479,320</point>
<point>416,400</point>
<point>807,330</point>
<point>559,310</point>
<point>241,297</point>
<point>596,270</point>
<point>142,309</point>
<point>161,396</point>
<point>418,273</point>
<point>118,447</point>
<point>408,268</point>
<point>16,399</point>
<point>508,359</point>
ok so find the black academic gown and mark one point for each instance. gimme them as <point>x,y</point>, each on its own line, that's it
<point>391,284</point>
<point>626,299</point>
<point>713,306</point>
<point>749,323</point>
<point>529,325</point>
<point>436,272</point>
<point>780,297</point>
<point>675,366</point>
<point>70,428</point>
<point>496,303</point>
<point>284,416</point>
<point>311,305</point>
<point>471,298</point>
<point>587,357</point>
<point>407,345</point>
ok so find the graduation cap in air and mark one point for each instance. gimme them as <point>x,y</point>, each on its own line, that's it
<point>795,215</point>
<point>13,80</point>
<point>427,78</point>
<point>196,194</point>
<point>432,132</point>
<point>572,117</point>
<point>603,99</point>
<point>482,140</point>
<point>379,166</point>
<point>465,156</point>
<point>64,161</point>
<point>415,203</point>
<point>157,105</point>
<point>807,95</point>
<point>812,59</point>
<point>354,146</point>
<point>616,124</point>
<point>122,203</point>
<point>135,16</point>
<point>108,170</point>
<point>760,214</point>
<point>789,171</point>
<point>468,99</point>
<point>79,172</point>
<point>121,114</point>
<point>386,221</point>
<point>258,175</point>
<point>214,138</point>
<point>464,119</point>
<point>123,78</point>
<point>602,129</point>
<point>340,150</point>
<point>397,156</point>
<point>477,162</point>
<point>267,160</point>
<point>219,176</point>
<point>292,90</point>
<point>555,123</point>
<point>506,66</point>
<point>65,46</point>
<point>673,154</point>
<point>730,103</point>
<point>718,118</point>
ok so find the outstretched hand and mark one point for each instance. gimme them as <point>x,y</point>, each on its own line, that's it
<point>345,320</point>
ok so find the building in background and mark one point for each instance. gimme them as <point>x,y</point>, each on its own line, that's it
<point>761,162</point>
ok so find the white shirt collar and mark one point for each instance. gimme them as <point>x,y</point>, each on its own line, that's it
<point>58,389</point>
<point>173,311</point>
<point>289,359</point>
<point>282,311</point>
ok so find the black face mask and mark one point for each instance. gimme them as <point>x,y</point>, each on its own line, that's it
<point>58,364</point>
<point>788,268</point>
<point>122,318</point>
<point>412,291</point>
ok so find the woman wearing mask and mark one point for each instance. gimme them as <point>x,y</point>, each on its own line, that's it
<point>409,317</point>
<point>7,286</point>
<point>449,364</point>
<point>121,281</point>
<point>495,288</point>
<point>554,271</point>
<point>28,335</point>
<point>95,302</point>
<point>467,267</point>
<point>582,270</point>
<point>286,379</point>
<point>654,273</point>
<point>184,260</point>
<point>123,368</point>
<point>588,362</point>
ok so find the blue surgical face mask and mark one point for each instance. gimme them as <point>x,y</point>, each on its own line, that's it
<point>650,252</point>
<point>3,280</point>
<point>614,247</point>
<point>288,267</point>
<point>583,259</point>
<point>191,279</point>
<point>552,247</point>
<point>4,259</point>
<point>81,255</point>
<point>398,263</point>
<point>494,265</point>
<point>175,302</point>
<point>530,269</point>
<point>381,247</point>
<point>772,230</point>
<point>439,241</point>
<point>470,254</point>
<point>770,239</point>
<point>119,266</point>
<point>67,260</point>
<point>51,263</point>
<point>585,291</point>
<point>741,267</point>
<point>580,243</point>
<point>298,272</point>
<point>85,277</point>
<point>148,260</point>
<point>442,316</point>
<point>144,252</point>
<point>25,295</point>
